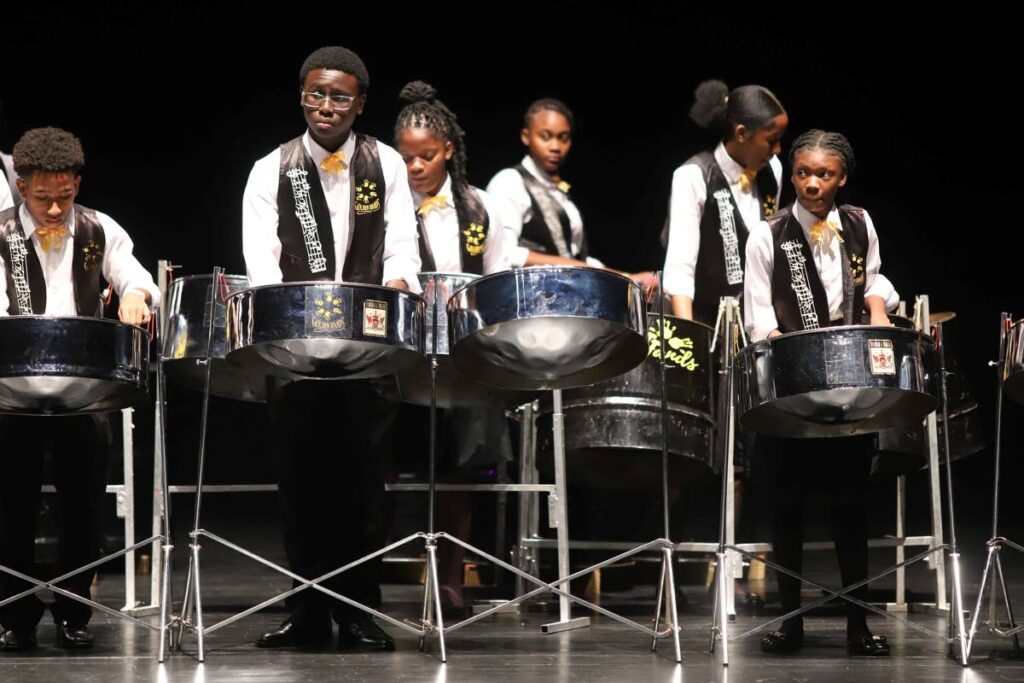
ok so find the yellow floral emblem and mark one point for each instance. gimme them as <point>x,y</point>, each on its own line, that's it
<point>857,268</point>
<point>768,205</point>
<point>475,235</point>
<point>367,200</point>
<point>92,254</point>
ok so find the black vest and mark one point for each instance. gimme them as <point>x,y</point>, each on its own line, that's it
<point>26,285</point>
<point>798,295</point>
<point>304,220</point>
<point>537,232</point>
<point>474,224</point>
<point>723,244</point>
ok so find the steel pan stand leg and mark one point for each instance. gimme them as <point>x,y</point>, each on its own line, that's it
<point>192,604</point>
<point>996,542</point>
<point>668,581</point>
<point>723,587</point>
<point>565,621</point>
<point>162,502</point>
<point>954,554</point>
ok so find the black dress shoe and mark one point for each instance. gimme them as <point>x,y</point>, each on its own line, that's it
<point>782,643</point>
<point>73,635</point>
<point>363,633</point>
<point>18,640</point>
<point>867,645</point>
<point>753,605</point>
<point>290,634</point>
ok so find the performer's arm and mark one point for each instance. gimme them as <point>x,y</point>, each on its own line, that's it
<point>879,294</point>
<point>758,311</point>
<point>132,282</point>
<point>260,243</point>
<point>401,249</point>
<point>685,210</point>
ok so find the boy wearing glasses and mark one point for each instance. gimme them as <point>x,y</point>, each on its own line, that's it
<point>331,205</point>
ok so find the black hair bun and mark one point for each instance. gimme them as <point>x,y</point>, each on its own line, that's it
<point>417,91</point>
<point>709,104</point>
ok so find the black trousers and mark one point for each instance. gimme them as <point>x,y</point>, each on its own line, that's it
<point>80,450</point>
<point>333,442</point>
<point>838,470</point>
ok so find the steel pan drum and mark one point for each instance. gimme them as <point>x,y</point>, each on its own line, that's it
<point>60,365</point>
<point>905,448</point>
<point>837,381</point>
<point>547,327</point>
<point>1013,369</point>
<point>453,388</point>
<point>318,330</point>
<point>188,323</point>
<point>613,434</point>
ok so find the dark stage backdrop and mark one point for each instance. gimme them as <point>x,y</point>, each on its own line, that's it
<point>174,103</point>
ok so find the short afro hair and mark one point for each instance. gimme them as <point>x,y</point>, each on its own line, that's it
<point>50,150</point>
<point>336,59</point>
<point>548,104</point>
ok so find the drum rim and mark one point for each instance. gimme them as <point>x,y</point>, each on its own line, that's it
<point>653,314</point>
<point>887,329</point>
<point>85,318</point>
<point>596,272</point>
<point>326,283</point>
<point>205,276</point>
<point>448,273</point>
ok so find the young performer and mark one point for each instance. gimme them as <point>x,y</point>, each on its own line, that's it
<point>54,256</point>
<point>333,502</point>
<point>834,280</point>
<point>543,225</point>
<point>719,196</point>
<point>459,233</point>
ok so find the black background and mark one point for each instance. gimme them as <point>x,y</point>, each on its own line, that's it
<point>174,103</point>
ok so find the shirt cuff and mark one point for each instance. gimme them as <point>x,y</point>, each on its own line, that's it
<point>145,288</point>
<point>677,285</point>
<point>593,262</point>
<point>403,272</point>
<point>517,256</point>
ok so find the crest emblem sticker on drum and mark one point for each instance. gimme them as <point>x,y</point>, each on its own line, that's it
<point>329,311</point>
<point>375,318</point>
<point>883,361</point>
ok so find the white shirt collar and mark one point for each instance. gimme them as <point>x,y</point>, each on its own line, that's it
<point>446,190</point>
<point>318,153</point>
<point>730,167</point>
<point>30,224</point>
<point>808,219</point>
<point>530,165</point>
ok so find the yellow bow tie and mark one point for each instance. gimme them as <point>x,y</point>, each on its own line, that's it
<point>823,230</point>
<point>334,163</point>
<point>747,179</point>
<point>49,238</point>
<point>430,203</point>
<point>563,186</point>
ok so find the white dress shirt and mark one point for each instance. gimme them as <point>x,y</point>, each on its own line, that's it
<point>8,162</point>
<point>442,225</point>
<point>120,268</point>
<point>6,198</point>
<point>515,208</point>
<point>686,208</point>
<point>758,311</point>
<point>262,247</point>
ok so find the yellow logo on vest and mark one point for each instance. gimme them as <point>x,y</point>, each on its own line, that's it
<point>857,268</point>
<point>92,255</point>
<point>375,318</point>
<point>367,200</point>
<point>679,350</point>
<point>329,313</point>
<point>475,235</point>
<point>768,206</point>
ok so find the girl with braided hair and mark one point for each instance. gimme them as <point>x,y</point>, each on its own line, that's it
<point>458,228</point>
<point>834,280</point>
<point>459,232</point>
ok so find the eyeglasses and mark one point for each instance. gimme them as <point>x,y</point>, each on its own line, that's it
<point>314,100</point>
